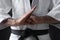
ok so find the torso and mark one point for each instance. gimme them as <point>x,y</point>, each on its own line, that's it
<point>42,10</point>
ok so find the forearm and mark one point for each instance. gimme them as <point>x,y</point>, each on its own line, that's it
<point>47,19</point>
<point>9,22</point>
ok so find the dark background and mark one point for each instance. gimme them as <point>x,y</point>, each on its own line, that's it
<point>5,33</point>
<point>54,33</point>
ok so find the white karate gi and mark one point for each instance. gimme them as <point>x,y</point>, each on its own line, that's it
<point>19,7</point>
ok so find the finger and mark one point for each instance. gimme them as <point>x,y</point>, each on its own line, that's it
<point>33,8</point>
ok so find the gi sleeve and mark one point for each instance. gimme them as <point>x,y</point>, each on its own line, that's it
<point>5,7</point>
<point>55,12</point>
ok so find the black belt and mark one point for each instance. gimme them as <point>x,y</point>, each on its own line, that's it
<point>29,31</point>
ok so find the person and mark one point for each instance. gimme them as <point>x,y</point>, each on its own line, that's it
<point>46,12</point>
<point>41,17</point>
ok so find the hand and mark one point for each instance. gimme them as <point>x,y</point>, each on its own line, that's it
<point>25,16</point>
<point>32,20</point>
<point>35,19</point>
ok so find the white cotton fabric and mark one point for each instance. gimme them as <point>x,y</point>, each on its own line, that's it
<point>5,6</point>
<point>55,12</point>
